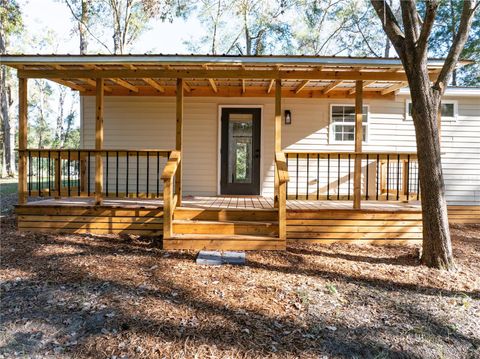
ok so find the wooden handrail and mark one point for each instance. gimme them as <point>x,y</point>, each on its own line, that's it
<point>172,165</point>
<point>282,169</point>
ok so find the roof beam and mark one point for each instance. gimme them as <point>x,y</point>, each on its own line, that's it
<point>87,81</point>
<point>154,84</point>
<point>243,86</point>
<point>331,87</point>
<point>365,84</point>
<point>302,86</point>
<point>213,85</point>
<point>222,74</point>
<point>394,88</point>
<point>124,83</point>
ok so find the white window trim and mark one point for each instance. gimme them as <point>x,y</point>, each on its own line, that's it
<point>331,134</point>
<point>444,118</point>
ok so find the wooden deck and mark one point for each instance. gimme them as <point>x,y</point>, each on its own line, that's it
<point>237,223</point>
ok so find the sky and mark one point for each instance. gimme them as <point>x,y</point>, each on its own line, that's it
<point>39,15</point>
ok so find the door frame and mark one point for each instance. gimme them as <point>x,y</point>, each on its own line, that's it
<point>219,142</point>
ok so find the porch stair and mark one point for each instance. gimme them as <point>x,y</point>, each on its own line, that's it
<point>225,229</point>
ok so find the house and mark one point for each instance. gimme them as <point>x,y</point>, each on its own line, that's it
<point>238,152</point>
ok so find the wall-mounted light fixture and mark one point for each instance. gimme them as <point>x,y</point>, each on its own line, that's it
<point>288,117</point>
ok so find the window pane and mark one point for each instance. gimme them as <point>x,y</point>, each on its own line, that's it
<point>448,110</point>
<point>409,109</point>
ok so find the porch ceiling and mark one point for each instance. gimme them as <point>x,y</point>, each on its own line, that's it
<point>302,76</point>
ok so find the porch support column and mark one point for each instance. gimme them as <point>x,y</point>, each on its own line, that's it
<point>179,140</point>
<point>278,134</point>
<point>22,140</point>
<point>99,141</point>
<point>357,177</point>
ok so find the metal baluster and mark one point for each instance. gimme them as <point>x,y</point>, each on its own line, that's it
<point>286,187</point>
<point>106,173</point>
<point>366,192</point>
<point>418,182</point>
<point>348,196</point>
<point>30,174</point>
<point>126,182</point>
<point>78,173</point>
<point>338,177</point>
<point>88,173</point>
<point>378,174</point>
<point>308,171</point>
<point>398,177</point>
<point>48,174</point>
<point>296,184</point>
<point>116,174</point>
<point>138,164</point>
<point>38,174</point>
<point>407,189</point>
<point>148,171</point>
<point>68,172</point>
<point>388,176</point>
<point>328,176</point>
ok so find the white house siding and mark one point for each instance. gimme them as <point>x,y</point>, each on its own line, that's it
<point>149,122</point>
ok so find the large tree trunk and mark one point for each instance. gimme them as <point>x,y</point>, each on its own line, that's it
<point>437,249</point>
<point>82,28</point>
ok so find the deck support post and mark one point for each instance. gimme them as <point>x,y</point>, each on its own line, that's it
<point>278,135</point>
<point>22,140</point>
<point>99,141</point>
<point>357,175</point>
<point>179,139</point>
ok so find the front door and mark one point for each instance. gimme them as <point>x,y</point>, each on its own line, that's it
<point>240,151</point>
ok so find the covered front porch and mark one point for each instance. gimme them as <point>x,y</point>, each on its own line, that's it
<point>317,195</point>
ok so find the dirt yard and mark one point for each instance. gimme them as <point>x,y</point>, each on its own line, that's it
<point>104,297</point>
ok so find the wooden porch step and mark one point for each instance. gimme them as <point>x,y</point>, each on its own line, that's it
<point>183,226</point>
<point>223,214</point>
<point>224,242</point>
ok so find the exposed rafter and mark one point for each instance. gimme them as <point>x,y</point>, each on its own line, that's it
<point>70,84</point>
<point>394,88</point>
<point>331,86</point>
<point>270,85</point>
<point>365,84</point>
<point>154,84</point>
<point>90,82</point>
<point>211,81</point>
<point>124,83</point>
<point>302,86</point>
<point>243,86</point>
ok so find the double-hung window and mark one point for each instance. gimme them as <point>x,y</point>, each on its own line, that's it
<point>449,110</point>
<point>342,123</point>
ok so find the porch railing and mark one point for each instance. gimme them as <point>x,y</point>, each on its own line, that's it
<point>171,195</point>
<point>71,173</point>
<point>330,176</point>
<point>283,178</point>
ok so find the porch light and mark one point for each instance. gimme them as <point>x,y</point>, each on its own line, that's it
<point>288,117</point>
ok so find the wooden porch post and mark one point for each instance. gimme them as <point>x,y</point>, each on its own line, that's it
<point>99,141</point>
<point>179,140</point>
<point>278,134</point>
<point>357,176</point>
<point>22,140</point>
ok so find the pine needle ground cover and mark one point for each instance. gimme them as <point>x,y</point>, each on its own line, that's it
<point>78,296</point>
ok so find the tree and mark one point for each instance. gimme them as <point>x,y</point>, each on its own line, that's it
<point>411,41</point>
<point>10,23</point>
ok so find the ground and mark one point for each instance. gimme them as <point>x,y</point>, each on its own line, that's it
<point>75,296</point>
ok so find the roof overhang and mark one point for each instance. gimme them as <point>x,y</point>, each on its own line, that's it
<point>208,75</point>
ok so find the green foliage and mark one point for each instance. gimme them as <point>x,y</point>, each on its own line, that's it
<point>10,17</point>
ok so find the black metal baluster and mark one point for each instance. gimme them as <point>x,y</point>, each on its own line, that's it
<point>88,173</point>
<point>318,175</point>
<point>126,182</point>
<point>338,177</point>
<point>158,174</point>
<point>59,167</point>
<point>148,172</point>
<point>38,175</point>
<point>106,174</point>
<point>366,192</point>
<point>30,174</point>
<point>286,187</point>
<point>68,172</point>
<point>308,171</point>
<point>138,163</point>
<point>348,196</point>
<point>79,168</point>
<point>388,176</point>
<point>378,175</point>
<point>407,184</point>
<point>398,177</point>
<point>116,175</point>
<point>418,182</point>
<point>328,176</point>
<point>296,182</point>
<point>48,174</point>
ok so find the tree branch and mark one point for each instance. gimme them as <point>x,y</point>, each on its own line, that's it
<point>469,7</point>
<point>411,24</point>
<point>390,24</point>
<point>430,13</point>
